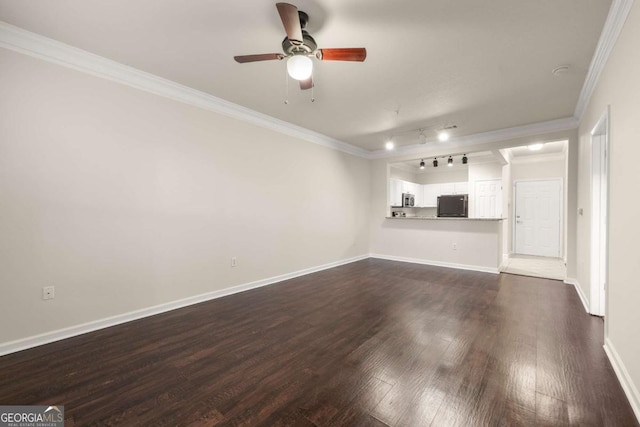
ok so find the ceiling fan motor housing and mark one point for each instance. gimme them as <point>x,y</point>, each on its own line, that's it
<point>308,45</point>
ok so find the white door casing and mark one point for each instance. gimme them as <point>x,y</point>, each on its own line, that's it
<point>538,217</point>
<point>599,222</point>
<point>488,199</point>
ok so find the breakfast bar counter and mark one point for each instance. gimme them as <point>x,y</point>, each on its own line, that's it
<point>466,243</point>
<point>444,218</point>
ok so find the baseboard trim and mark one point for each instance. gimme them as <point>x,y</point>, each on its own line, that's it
<point>437,263</point>
<point>581,295</point>
<point>72,331</point>
<point>630,389</point>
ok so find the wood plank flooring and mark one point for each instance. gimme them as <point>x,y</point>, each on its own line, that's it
<point>373,343</point>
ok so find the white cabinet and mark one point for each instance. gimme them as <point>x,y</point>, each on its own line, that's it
<point>430,193</point>
<point>426,195</point>
<point>395,192</point>
<point>461,187</point>
<point>446,188</point>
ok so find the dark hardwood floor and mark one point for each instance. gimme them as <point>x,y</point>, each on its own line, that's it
<point>373,343</point>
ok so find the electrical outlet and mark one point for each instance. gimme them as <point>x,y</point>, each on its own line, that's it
<point>454,246</point>
<point>48,292</point>
<point>234,261</point>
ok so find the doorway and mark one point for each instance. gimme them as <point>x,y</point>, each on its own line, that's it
<point>538,217</point>
<point>599,209</point>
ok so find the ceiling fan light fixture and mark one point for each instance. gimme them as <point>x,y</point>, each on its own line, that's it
<point>300,67</point>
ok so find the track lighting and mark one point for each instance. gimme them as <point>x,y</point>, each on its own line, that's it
<point>435,163</point>
<point>464,159</point>
<point>450,162</point>
<point>421,164</point>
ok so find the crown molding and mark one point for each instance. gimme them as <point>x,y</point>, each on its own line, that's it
<point>612,27</point>
<point>35,45</point>
<point>558,125</point>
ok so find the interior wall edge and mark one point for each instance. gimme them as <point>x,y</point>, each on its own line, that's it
<point>72,331</point>
<point>629,388</point>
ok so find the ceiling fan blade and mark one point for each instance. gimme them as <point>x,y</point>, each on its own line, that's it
<point>261,57</point>
<point>306,84</point>
<point>290,21</point>
<point>342,54</point>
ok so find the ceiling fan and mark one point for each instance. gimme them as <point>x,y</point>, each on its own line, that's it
<point>299,47</point>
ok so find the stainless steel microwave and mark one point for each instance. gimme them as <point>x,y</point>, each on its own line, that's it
<point>408,200</point>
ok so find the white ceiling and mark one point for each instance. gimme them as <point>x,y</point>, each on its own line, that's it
<point>480,65</point>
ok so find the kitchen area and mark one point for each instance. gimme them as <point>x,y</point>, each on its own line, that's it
<point>482,211</point>
<point>461,187</point>
<point>446,211</point>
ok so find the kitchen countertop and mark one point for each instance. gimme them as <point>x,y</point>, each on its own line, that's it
<point>444,219</point>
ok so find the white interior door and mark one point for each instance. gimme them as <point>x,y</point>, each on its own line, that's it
<point>538,217</point>
<point>488,199</point>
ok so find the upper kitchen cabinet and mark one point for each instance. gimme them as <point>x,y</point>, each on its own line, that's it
<point>395,192</point>
<point>430,193</point>
<point>450,188</point>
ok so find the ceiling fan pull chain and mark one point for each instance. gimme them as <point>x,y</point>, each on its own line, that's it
<point>313,98</point>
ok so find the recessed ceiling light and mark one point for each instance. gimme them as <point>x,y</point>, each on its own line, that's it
<point>389,145</point>
<point>536,147</point>
<point>443,136</point>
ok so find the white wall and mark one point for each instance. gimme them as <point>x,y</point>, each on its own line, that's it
<point>124,200</point>
<point>443,175</point>
<point>507,197</point>
<point>539,168</point>
<point>404,175</point>
<point>619,88</point>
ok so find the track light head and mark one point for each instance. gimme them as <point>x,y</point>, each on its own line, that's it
<point>435,163</point>
<point>450,162</point>
<point>464,159</point>
<point>421,164</point>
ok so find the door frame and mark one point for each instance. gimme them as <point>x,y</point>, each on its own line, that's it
<point>599,219</point>
<point>513,211</point>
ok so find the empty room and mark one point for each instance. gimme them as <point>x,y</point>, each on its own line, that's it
<point>319,213</point>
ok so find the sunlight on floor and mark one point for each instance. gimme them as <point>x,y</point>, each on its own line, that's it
<point>526,265</point>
